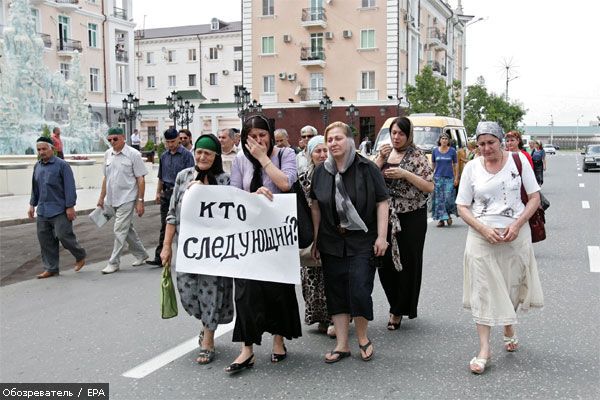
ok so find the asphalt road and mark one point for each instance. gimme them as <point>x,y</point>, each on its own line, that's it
<point>86,327</point>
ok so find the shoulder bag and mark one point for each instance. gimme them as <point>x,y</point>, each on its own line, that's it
<point>538,219</point>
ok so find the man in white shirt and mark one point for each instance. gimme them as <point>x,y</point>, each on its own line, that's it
<point>303,158</point>
<point>122,193</point>
<point>228,148</point>
<point>135,140</point>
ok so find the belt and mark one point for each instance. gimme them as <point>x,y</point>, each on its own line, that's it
<point>341,230</point>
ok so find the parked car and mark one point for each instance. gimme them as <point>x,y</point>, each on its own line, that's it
<point>591,157</point>
<point>549,149</point>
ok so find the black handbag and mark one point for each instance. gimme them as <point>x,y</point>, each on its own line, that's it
<point>305,225</point>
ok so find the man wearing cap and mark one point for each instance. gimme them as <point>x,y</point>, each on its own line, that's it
<point>122,193</point>
<point>53,193</point>
<point>175,159</point>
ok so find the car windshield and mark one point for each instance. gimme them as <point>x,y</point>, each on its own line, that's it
<point>548,145</point>
<point>424,137</point>
<point>593,149</point>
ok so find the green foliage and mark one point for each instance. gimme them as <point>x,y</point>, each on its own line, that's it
<point>161,149</point>
<point>455,99</point>
<point>149,145</point>
<point>429,95</point>
<point>45,131</point>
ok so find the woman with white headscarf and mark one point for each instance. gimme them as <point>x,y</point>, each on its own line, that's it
<point>350,217</point>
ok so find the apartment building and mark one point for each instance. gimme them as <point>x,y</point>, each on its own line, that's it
<point>102,32</point>
<point>357,52</point>
<point>202,63</point>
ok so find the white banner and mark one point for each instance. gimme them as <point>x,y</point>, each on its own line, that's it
<point>225,231</point>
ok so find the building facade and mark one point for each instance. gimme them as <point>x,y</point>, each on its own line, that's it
<point>102,32</point>
<point>202,63</point>
<point>357,52</point>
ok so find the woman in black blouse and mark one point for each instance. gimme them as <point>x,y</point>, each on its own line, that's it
<point>408,176</point>
<point>350,217</point>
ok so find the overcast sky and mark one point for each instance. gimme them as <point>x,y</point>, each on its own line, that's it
<point>551,46</point>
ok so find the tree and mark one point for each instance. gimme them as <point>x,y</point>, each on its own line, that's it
<point>429,95</point>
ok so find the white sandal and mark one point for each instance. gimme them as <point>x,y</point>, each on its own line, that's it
<point>480,364</point>
<point>511,344</point>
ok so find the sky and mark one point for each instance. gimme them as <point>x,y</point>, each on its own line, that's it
<point>551,47</point>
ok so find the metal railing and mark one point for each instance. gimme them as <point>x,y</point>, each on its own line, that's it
<point>68,45</point>
<point>313,14</point>
<point>120,13</point>
<point>67,1</point>
<point>435,66</point>
<point>46,39</point>
<point>436,33</point>
<point>312,53</point>
<point>308,94</point>
<point>122,56</point>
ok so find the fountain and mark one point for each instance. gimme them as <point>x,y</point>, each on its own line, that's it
<point>28,88</point>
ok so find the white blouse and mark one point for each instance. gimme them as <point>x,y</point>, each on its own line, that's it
<point>495,199</point>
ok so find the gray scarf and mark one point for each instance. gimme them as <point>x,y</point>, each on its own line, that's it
<point>349,218</point>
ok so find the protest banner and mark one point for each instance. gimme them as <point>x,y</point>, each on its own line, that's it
<point>225,231</point>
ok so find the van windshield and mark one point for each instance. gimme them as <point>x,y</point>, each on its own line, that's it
<point>424,137</point>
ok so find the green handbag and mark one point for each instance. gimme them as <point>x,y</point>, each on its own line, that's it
<point>168,299</point>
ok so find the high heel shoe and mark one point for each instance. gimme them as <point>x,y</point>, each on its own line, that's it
<point>275,358</point>
<point>237,367</point>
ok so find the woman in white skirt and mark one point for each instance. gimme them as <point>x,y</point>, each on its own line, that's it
<point>500,270</point>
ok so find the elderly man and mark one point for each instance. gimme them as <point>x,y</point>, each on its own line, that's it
<point>228,148</point>
<point>57,142</point>
<point>122,192</point>
<point>303,158</point>
<point>53,193</point>
<point>172,161</point>
<point>185,137</point>
<point>281,138</point>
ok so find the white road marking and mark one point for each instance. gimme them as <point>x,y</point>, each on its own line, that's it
<point>594,256</point>
<point>582,185</point>
<point>578,169</point>
<point>579,174</point>
<point>171,355</point>
<point>585,204</point>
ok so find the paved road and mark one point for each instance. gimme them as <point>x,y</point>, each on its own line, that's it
<point>86,327</point>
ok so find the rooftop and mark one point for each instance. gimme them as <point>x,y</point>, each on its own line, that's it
<point>189,30</point>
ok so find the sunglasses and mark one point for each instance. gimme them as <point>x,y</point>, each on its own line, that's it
<point>113,139</point>
<point>307,136</point>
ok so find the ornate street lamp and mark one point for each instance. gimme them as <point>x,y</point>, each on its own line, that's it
<point>245,107</point>
<point>181,111</point>
<point>351,112</point>
<point>130,112</point>
<point>325,106</point>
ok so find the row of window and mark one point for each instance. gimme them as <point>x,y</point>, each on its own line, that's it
<point>317,82</point>
<point>268,6</point>
<point>171,55</point>
<point>367,41</point>
<point>213,80</point>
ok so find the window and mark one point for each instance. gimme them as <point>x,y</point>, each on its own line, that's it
<point>367,39</point>
<point>150,58</point>
<point>215,24</point>
<point>192,80</point>
<point>191,54</point>
<point>368,80</point>
<point>269,84</point>
<point>172,81</point>
<point>368,3</point>
<point>237,48</point>
<point>213,78</point>
<point>64,70</point>
<point>152,133</point>
<point>213,53</point>
<point>35,13</point>
<point>92,35</point>
<point>268,7</point>
<point>237,65</point>
<point>64,31</point>
<point>171,55</point>
<point>268,45</point>
<point>122,86</point>
<point>94,76</point>
<point>151,84</point>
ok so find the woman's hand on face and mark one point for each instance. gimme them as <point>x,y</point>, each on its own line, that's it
<point>255,148</point>
<point>394,173</point>
<point>384,151</point>
<point>266,192</point>
<point>380,246</point>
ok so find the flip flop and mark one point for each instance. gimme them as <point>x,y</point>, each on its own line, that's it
<point>340,355</point>
<point>207,355</point>
<point>364,348</point>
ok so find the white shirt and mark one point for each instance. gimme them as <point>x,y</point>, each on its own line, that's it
<point>495,199</point>
<point>121,171</point>
<point>135,138</point>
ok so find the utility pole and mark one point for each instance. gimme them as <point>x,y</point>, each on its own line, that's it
<point>551,129</point>
<point>507,65</point>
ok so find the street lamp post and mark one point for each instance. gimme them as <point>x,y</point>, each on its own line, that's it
<point>351,112</point>
<point>551,129</point>
<point>180,111</point>
<point>130,112</point>
<point>245,107</point>
<point>577,135</point>
<point>325,106</point>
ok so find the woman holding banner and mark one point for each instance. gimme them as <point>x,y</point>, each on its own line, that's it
<point>208,298</point>
<point>350,217</point>
<point>263,306</point>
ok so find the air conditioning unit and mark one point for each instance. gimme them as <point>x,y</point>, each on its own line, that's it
<point>225,72</point>
<point>347,34</point>
<point>138,54</point>
<point>140,78</point>
<point>328,35</point>
<point>287,38</point>
<point>282,75</point>
<point>291,77</point>
<point>219,47</point>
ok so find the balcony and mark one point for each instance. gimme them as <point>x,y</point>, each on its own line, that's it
<point>310,56</point>
<point>120,13</point>
<point>436,67</point>
<point>436,38</point>
<point>314,17</point>
<point>46,39</point>
<point>312,94</point>
<point>67,6</point>
<point>66,47</point>
<point>121,56</point>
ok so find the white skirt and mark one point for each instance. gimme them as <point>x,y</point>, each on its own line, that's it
<point>501,278</point>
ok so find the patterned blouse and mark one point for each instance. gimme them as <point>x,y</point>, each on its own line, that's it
<point>184,177</point>
<point>404,196</point>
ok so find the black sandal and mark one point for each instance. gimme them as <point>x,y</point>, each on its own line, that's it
<point>393,326</point>
<point>275,358</point>
<point>364,348</point>
<point>340,355</point>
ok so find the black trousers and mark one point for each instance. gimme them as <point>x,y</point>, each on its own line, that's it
<point>165,201</point>
<point>50,232</point>
<point>402,288</point>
